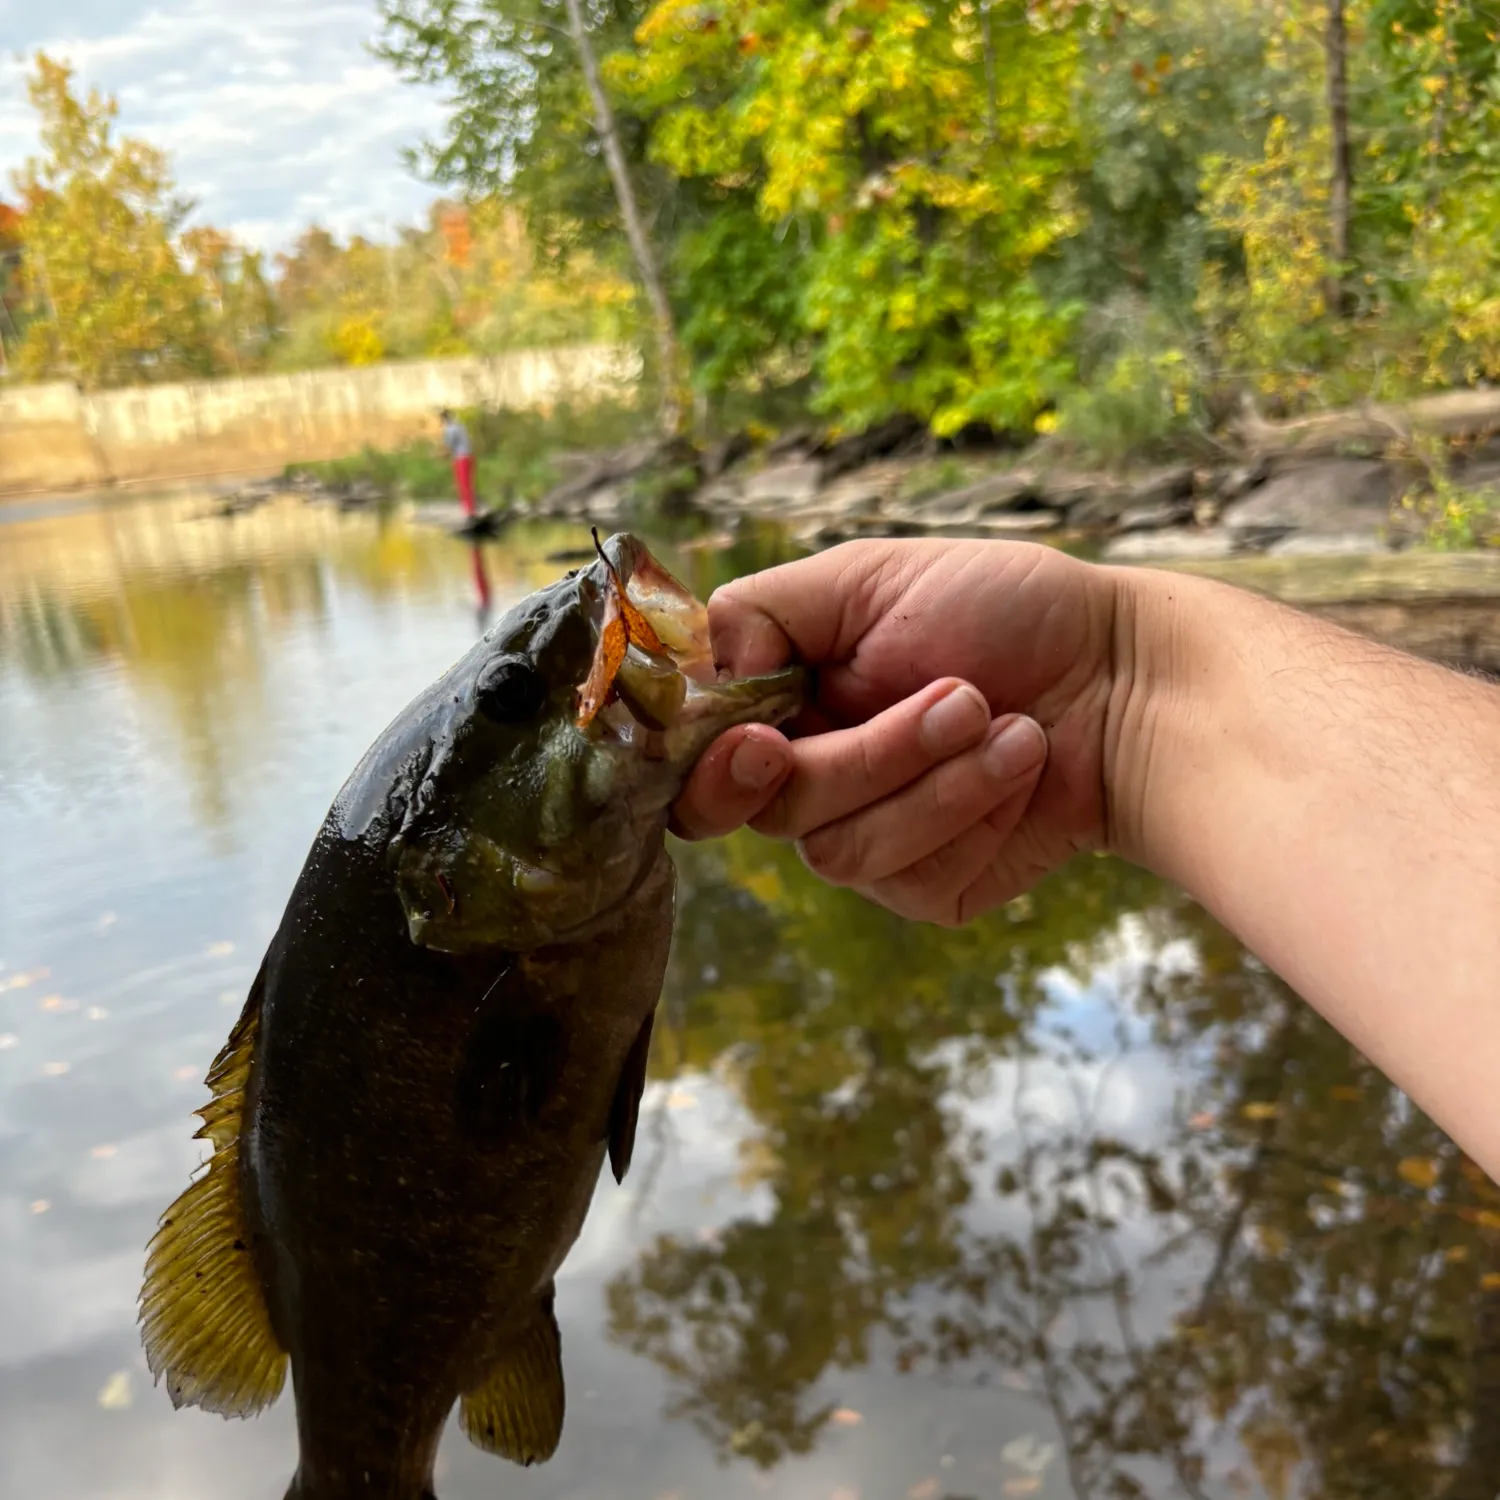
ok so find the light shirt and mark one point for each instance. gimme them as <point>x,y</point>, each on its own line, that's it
<point>455,438</point>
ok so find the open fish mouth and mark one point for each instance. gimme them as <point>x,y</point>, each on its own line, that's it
<point>653,678</point>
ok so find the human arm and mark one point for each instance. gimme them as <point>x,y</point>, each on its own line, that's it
<point>1336,804</point>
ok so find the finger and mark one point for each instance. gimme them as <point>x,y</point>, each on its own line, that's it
<point>968,876</point>
<point>732,781</point>
<point>835,774</point>
<point>812,610</point>
<point>923,818</point>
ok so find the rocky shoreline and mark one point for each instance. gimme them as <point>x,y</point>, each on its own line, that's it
<point>888,482</point>
<point>882,483</point>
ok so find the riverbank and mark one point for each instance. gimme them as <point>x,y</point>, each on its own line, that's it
<point>1275,499</point>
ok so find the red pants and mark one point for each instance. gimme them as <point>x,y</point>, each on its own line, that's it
<point>463,477</point>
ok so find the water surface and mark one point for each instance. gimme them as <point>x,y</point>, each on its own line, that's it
<point>1077,1202</point>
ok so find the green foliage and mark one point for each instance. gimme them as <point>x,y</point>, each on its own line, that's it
<point>1141,395</point>
<point>910,167</point>
<point>1453,516</point>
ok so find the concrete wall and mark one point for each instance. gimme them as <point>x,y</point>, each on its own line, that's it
<point>56,437</point>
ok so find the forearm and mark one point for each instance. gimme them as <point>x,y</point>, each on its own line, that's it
<point>1337,805</point>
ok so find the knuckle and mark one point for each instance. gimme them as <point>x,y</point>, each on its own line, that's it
<point>834,854</point>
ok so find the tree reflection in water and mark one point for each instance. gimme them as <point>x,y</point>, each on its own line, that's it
<point>1276,1276</point>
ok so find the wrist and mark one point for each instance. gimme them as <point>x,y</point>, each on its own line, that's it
<point>1184,651</point>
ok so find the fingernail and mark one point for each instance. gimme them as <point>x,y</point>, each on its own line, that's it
<point>1016,746</point>
<point>954,721</point>
<point>755,764</point>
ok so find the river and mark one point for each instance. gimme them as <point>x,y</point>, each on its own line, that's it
<point>1077,1202</point>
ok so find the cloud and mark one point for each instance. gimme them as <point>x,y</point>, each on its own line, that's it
<point>273,115</point>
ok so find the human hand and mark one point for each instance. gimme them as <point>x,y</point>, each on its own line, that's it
<point>953,748</point>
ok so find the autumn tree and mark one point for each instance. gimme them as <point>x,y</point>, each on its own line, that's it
<point>527,83</point>
<point>109,298</point>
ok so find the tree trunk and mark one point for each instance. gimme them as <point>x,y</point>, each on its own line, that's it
<point>673,406</point>
<point>1341,178</point>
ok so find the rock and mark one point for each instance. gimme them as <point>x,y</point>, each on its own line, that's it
<point>1334,496</point>
<point>1155,517</point>
<point>1206,512</point>
<point>860,448</point>
<point>1241,481</point>
<point>1017,523</point>
<point>788,483</point>
<point>1161,486</point>
<point>727,451</point>
<point>623,463</point>
<point>795,440</point>
<point>1101,504</point>
<point>1329,544</point>
<point>1145,546</point>
<point>997,492</point>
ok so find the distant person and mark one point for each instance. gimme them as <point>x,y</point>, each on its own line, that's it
<point>456,441</point>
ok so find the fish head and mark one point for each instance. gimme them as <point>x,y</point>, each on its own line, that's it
<point>558,744</point>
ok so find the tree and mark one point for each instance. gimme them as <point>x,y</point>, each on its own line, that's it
<point>915,167</point>
<point>109,299</point>
<point>513,66</point>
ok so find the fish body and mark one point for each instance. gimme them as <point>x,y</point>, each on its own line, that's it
<point>447,1036</point>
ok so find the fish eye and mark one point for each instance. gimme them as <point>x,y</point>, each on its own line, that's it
<point>509,690</point>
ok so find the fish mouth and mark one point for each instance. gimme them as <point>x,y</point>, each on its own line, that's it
<point>664,692</point>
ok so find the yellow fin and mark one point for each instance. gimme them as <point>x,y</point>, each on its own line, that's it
<point>518,1411</point>
<point>204,1320</point>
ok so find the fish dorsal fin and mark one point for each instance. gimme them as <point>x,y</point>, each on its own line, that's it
<point>204,1320</point>
<point>626,1109</point>
<point>518,1411</point>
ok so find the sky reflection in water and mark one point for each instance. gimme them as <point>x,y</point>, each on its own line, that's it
<point>1079,1201</point>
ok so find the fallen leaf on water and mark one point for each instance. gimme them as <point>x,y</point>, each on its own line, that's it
<point>681,1099</point>
<point>220,949</point>
<point>1487,1218</point>
<point>8,1039</point>
<point>1015,1380</point>
<point>20,981</point>
<point>1457,1253</point>
<point>55,1069</point>
<point>925,1490</point>
<point>1023,1484</point>
<point>1420,1171</point>
<point>184,1073</point>
<point>116,1393</point>
<point>1490,1281</point>
<point>1346,1093</point>
<point>1205,1119</point>
<point>1025,1452</point>
<point>846,1416</point>
<point>103,1153</point>
<point>40,1205</point>
<point>97,1013</point>
<point>59,1004</point>
<point>1261,1109</point>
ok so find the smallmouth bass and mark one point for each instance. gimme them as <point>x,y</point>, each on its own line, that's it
<point>447,1036</point>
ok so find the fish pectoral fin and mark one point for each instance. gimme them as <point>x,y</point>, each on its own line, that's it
<point>205,1324</point>
<point>518,1411</point>
<point>626,1109</point>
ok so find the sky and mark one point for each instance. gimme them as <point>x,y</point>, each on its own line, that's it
<point>273,111</point>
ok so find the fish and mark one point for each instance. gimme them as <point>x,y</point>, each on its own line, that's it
<point>447,1037</point>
